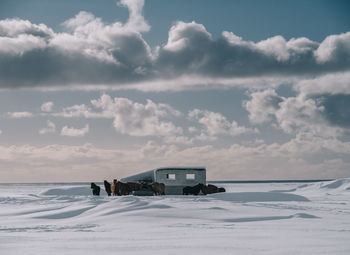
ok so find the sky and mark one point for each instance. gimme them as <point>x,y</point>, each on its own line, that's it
<point>252,90</point>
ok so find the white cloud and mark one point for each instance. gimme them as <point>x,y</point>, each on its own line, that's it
<point>136,20</point>
<point>138,119</point>
<point>338,83</point>
<point>192,129</point>
<point>131,118</point>
<point>76,132</point>
<point>20,115</point>
<point>156,119</point>
<point>15,27</point>
<point>300,114</point>
<point>214,124</point>
<point>334,48</point>
<point>81,110</point>
<point>47,107</point>
<point>18,36</point>
<point>283,50</point>
<point>181,34</point>
<point>178,140</point>
<point>80,21</point>
<point>306,144</point>
<point>276,47</point>
<point>18,45</point>
<point>262,105</point>
<point>325,115</point>
<point>119,47</point>
<point>51,128</point>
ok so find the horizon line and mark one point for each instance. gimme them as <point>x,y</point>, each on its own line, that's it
<point>210,181</point>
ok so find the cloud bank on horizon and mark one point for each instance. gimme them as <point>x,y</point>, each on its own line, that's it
<point>190,143</point>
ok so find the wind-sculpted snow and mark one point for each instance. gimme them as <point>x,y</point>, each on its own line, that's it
<point>259,197</point>
<point>249,219</point>
<point>338,184</point>
<point>269,218</point>
<point>74,191</point>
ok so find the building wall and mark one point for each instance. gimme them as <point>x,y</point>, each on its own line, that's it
<point>174,187</point>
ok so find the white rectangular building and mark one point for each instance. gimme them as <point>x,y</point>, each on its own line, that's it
<point>174,178</point>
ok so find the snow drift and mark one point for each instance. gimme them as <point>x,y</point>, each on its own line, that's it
<point>269,218</point>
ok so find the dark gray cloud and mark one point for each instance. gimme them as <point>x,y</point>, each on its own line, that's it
<point>89,52</point>
<point>191,49</point>
<point>92,52</point>
<point>50,66</point>
<point>336,109</point>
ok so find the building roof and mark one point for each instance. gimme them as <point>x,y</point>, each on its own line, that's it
<point>200,168</point>
<point>149,174</point>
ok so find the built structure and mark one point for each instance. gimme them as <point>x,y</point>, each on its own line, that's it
<point>174,178</point>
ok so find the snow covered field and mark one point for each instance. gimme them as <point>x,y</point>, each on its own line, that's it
<point>269,218</point>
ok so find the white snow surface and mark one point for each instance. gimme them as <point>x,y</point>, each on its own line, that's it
<point>264,218</point>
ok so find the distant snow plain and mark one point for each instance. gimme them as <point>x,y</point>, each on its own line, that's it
<point>253,218</point>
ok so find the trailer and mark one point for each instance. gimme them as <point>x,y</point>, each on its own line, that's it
<point>174,178</point>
